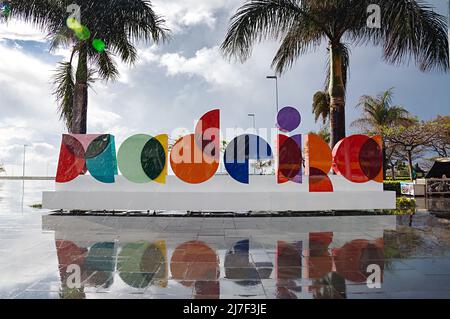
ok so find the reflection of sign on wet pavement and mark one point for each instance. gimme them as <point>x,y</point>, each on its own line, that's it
<point>279,258</point>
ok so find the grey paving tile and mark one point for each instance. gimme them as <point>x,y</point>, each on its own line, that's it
<point>38,295</point>
<point>243,288</point>
<point>435,294</point>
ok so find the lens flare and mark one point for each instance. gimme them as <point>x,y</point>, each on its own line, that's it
<point>83,34</point>
<point>73,24</point>
<point>99,45</point>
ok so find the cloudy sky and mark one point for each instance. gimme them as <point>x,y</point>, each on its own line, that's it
<point>175,83</point>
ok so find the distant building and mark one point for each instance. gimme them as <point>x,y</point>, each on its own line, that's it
<point>440,169</point>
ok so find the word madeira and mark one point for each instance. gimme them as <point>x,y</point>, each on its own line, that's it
<point>195,158</point>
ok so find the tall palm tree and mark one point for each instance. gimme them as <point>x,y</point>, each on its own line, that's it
<point>119,23</point>
<point>410,30</point>
<point>379,114</point>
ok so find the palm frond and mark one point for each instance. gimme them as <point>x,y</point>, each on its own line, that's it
<point>411,31</point>
<point>300,39</point>
<point>64,90</point>
<point>106,67</point>
<point>134,18</point>
<point>321,106</point>
<point>42,14</point>
<point>258,20</point>
<point>126,51</point>
<point>362,123</point>
<point>62,38</point>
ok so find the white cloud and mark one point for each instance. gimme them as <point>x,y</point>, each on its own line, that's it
<point>149,54</point>
<point>19,30</point>
<point>183,13</point>
<point>28,109</point>
<point>24,86</point>
<point>63,53</point>
<point>208,64</point>
<point>103,120</point>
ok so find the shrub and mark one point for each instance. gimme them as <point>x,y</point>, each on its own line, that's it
<point>405,202</point>
<point>398,178</point>
<point>392,186</point>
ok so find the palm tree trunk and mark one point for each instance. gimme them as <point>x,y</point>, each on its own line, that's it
<point>80,97</point>
<point>337,96</point>
<point>392,165</point>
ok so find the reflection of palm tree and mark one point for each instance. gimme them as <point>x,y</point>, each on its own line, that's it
<point>414,31</point>
<point>331,286</point>
<point>71,293</point>
<point>401,244</point>
<point>118,23</point>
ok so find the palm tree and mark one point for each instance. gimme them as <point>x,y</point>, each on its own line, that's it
<point>379,114</point>
<point>321,107</point>
<point>118,23</point>
<point>409,30</point>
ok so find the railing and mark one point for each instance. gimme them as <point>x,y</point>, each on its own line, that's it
<point>437,186</point>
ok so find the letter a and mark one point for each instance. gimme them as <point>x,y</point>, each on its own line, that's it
<point>374,279</point>
<point>374,19</point>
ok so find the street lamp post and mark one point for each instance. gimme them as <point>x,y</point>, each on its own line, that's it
<point>253,116</point>
<point>23,174</point>
<point>23,163</point>
<point>274,77</point>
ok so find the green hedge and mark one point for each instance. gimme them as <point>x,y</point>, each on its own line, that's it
<point>398,178</point>
<point>392,186</point>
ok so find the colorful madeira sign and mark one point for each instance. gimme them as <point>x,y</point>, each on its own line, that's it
<point>194,159</point>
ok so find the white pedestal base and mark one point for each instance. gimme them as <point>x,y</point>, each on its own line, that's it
<point>221,193</point>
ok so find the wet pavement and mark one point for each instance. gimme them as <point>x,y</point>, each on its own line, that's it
<point>50,256</point>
